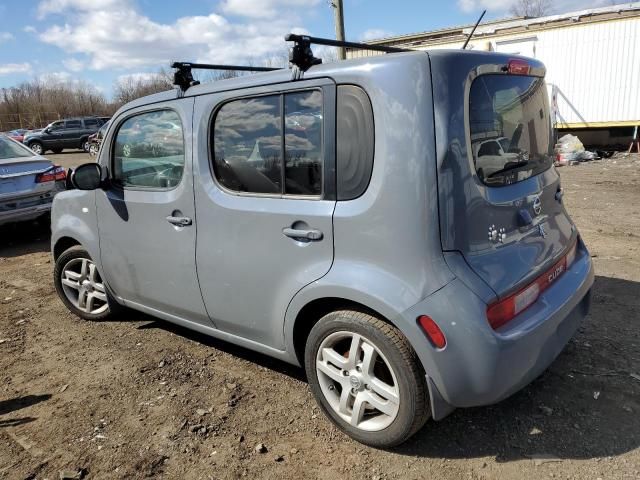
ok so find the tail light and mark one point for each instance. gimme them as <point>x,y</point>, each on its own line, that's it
<point>518,67</point>
<point>432,330</point>
<point>505,310</point>
<point>54,174</point>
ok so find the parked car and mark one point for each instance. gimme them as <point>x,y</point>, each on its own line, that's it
<point>63,134</point>
<point>357,239</point>
<point>28,182</point>
<point>95,140</point>
<point>17,135</point>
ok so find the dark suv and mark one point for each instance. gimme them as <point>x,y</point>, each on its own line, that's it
<point>68,133</point>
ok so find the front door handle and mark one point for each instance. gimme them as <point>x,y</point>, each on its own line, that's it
<point>300,234</point>
<point>179,221</point>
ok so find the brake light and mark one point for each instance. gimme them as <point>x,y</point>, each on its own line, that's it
<point>54,174</point>
<point>506,310</point>
<point>432,330</point>
<point>518,67</point>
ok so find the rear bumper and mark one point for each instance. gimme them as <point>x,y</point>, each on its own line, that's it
<point>480,366</point>
<point>30,212</point>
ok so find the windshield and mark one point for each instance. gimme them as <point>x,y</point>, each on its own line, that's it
<point>12,149</point>
<point>510,128</point>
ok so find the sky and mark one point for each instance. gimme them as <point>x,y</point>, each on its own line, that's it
<point>102,41</point>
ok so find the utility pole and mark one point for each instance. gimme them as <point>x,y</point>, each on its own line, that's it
<point>339,21</point>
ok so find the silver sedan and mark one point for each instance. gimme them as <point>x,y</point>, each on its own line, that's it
<point>28,182</point>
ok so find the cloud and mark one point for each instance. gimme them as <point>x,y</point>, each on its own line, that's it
<point>375,34</point>
<point>29,29</point>
<point>558,6</point>
<point>263,8</point>
<point>10,68</point>
<point>73,64</point>
<point>123,38</point>
<point>6,37</point>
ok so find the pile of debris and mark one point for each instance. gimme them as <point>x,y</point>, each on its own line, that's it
<point>570,151</point>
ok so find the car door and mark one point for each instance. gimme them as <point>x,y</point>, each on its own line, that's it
<point>146,216</point>
<point>71,133</point>
<point>53,136</point>
<point>265,196</point>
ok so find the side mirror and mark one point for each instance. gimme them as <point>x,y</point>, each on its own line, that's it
<point>87,177</point>
<point>47,130</point>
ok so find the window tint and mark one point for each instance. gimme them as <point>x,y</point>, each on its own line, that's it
<point>247,139</point>
<point>149,151</point>
<point>91,123</point>
<point>355,139</point>
<point>510,128</point>
<point>303,143</point>
<point>249,144</point>
<point>73,124</point>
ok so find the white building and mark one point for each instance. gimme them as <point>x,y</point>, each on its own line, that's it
<point>592,59</point>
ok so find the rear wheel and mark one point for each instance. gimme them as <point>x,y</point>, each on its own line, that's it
<point>36,147</point>
<point>366,378</point>
<point>93,149</point>
<point>80,286</point>
<point>84,144</point>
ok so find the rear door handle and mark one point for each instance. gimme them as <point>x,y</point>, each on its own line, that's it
<point>179,221</point>
<point>299,234</point>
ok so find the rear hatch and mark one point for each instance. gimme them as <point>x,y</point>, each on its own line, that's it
<point>500,198</point>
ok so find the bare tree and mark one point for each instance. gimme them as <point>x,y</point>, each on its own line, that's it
<point>129,88</point>
<point>531,8</point>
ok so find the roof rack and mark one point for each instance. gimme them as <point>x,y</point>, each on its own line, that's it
<point>301,55</point>
<point>183,77</point>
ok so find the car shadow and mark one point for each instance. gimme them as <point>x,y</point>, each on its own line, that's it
<point>14,404</point>
<point>17,239</point>
<point>584,406</point>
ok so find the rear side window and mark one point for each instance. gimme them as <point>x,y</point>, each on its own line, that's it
<point>148,151</point>
<point>73,124</point>
<point>510,128</point>
<point>270,144</point>
<point>355,142</point>
<point>91,123</point>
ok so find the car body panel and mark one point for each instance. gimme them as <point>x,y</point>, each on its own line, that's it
<point>156,269</point>
<point>231,222</point>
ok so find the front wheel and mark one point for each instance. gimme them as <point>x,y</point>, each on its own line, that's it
<point>84,145</point>
<point>37,148</point>
<point>366,378</point>
<point>80,287</point>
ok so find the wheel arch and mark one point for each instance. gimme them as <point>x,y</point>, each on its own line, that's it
<point>63,244</point>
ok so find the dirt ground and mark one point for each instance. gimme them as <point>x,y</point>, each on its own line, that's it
<point>140,398</point>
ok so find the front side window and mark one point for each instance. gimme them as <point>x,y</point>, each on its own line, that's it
<point>56,126</point>
<point>510,128</point>
<point>251,137</point>
<point>73,124</point>
<point>148,151</point>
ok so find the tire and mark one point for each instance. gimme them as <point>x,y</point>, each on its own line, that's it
<point>37,147</point>
<point>70,266</point>
<point>84,145</point>
<point>94,149</point>
<point>395,372</point>
<point>56,150</point>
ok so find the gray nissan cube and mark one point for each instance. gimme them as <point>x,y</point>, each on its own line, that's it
<point>394,224</point>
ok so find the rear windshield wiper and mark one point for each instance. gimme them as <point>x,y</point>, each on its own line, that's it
<point>511,166</point>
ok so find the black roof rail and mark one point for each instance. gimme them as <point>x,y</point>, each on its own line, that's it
<point>183,77</point>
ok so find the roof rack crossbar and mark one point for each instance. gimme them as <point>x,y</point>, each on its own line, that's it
<point>183,77</point>
<point>337,43</point>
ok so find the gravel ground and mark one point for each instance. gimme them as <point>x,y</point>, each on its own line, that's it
<point>140,398</point>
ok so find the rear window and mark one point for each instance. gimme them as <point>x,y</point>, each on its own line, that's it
<point>510,128</point>
<point>11,149</point>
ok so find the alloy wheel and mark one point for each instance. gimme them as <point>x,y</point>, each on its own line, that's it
<point>83,286</point>
<point>357,381</point>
